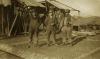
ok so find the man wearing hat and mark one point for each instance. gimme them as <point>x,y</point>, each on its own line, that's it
<point>67,27</point>
<point>50,27</point>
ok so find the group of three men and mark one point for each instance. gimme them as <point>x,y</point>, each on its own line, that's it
<point>65,27</point>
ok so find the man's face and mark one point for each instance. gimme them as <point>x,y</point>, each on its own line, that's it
<point>67,13</point>
<point>50,14</point>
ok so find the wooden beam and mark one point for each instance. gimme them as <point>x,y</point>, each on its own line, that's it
<point>2,20</point>
<point>9,34</point>
<point>7,22</point>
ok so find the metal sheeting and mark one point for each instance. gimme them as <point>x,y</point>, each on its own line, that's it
<point>60,5</point>
<point>5,2</point>
<point>32,3</point>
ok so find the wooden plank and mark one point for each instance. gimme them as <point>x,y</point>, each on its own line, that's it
<point>12,25</point>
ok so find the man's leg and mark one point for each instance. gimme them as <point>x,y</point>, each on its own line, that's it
<point>64,38</point>
<point>31,34</point>
<point>64,31</point>
<point>69,36</point>
<point>54,37</point>
<point>36,37</point>
<point>48,36</point>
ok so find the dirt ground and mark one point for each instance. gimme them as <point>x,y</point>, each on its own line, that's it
<point>81,50</point>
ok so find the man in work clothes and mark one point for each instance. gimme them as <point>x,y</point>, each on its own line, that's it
<point>67,27</point>
<point>50,27</point>
<point>34,29</point>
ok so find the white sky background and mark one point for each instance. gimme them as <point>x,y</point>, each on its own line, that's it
<point>87,7</point>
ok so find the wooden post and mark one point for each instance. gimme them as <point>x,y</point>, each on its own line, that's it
<point>8,22</point>
<point>24,22</point>
<point>46,5</point>
<point>2,21</point>
<point>23,14</point>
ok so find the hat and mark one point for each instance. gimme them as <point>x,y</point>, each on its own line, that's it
<point>67,11</point>
<point>63,11</point>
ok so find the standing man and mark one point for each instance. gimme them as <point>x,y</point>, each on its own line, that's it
<point>67,27</point>
<point>50,27</point>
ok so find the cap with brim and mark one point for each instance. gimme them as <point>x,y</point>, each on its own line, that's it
<point>67,11</point>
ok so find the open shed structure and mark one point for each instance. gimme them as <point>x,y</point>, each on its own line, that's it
<point>58,5</point>
<point>12,13</point>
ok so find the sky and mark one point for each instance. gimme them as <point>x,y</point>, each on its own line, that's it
<point>86,7</point>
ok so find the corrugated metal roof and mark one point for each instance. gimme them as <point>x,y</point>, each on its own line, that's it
<point>60,5</point>
<point>32,3</point>
<point>5,2</point>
